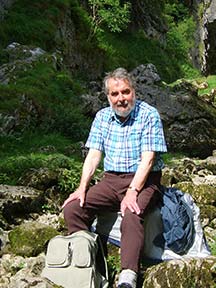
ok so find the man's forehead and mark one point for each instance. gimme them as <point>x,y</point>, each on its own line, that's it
<point>118,81</point>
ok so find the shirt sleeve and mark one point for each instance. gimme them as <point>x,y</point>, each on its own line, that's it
<point>153,135</point>
<point>95,138</point>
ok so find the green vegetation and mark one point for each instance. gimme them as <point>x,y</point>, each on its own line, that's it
<point>36,150</point>
<point>102,13</point>
<point>36,23</point>
<point>54,94</point>
<point>171,158</point>
<point>30,239</point>
<point>33,22</point>
<point>210,80</point>
<point>213,247</point>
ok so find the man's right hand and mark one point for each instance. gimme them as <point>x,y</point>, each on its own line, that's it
<point>78,194</point>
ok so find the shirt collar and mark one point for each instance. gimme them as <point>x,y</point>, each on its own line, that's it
<point>132,115</point>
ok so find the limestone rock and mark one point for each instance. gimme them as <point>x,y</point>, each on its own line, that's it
<point>18,271</point>
<point>18,201</point>
<point>182,273</point>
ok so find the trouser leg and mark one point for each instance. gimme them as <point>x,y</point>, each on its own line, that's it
<point>132,229</point>
<point>101,197</point>
<point>107,196</point>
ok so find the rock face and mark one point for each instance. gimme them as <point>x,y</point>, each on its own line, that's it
<point>189,122</point>
<point>147,15</point>
<point>210,38</point>
<point>4,6</point>
<point>205,39</point>
<point>21,59</point>
<point>16,202</point>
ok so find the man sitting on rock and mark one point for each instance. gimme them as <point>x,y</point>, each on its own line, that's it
<point>129,132</point>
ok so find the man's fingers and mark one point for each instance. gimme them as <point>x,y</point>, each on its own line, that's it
<point>133,208</point>
<point>71,198</point>
<point>123,207</point>
<point>81,202</point>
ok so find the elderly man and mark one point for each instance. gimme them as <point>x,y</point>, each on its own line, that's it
<point>129,132</point>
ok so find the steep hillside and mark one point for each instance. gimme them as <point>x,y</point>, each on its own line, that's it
<point>160,33</point>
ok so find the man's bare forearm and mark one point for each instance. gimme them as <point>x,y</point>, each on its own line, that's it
<point>89,167</point>
<point>143,170</point>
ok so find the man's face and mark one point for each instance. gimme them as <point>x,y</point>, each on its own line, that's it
<point>121,96</point>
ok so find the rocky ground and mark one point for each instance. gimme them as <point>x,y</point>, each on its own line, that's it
<point>27,225</point>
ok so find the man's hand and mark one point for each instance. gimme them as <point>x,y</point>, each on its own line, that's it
<point>130,202</point>
<point>78,194</point>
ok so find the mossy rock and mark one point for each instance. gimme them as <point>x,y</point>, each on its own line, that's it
<point>183,273</point>
<point>30,239</point>
<point>204,194</point>
<point>207,212</point>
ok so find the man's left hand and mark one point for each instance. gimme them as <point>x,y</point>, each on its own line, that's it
<point>130,202</point>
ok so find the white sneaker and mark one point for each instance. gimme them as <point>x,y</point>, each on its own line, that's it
<point>127,279</point>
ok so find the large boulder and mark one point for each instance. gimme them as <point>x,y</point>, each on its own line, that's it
<point>30,239</point>
<point>189,122</point>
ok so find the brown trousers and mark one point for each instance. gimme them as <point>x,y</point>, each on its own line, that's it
<point>107,196</point>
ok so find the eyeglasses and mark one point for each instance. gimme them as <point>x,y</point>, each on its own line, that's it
<point>123,92</point>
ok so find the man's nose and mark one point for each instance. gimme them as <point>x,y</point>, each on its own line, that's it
<point>121,97</point>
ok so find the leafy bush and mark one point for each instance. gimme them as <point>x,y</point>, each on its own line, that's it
<point>13,167</point>
<point>69,179</point>
<point>109,12</point>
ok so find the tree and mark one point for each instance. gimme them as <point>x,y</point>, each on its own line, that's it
<point>109,13</point>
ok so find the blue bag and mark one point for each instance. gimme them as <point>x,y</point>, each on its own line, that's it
<point>178,226</point>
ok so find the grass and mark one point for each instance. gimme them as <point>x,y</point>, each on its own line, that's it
<point>35,150</point>
<point>211,80</point>
<point>213,247</point>
<point>55,98</point>
<point>171,158</point>
<point>33,22</point>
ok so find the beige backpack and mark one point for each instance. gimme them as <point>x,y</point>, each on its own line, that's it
<point>72,261</point>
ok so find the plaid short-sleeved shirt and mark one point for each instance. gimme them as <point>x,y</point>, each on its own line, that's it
<point>123,143</point>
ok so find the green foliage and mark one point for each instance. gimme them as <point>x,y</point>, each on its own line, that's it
<point>180,38</point>
<point>175,12</point>
<point>14,167</point>
<point>37,23</point>
<point>132,49</point>
<point>54,95</point>
<point>33,22</point>
<point>211,80</point>
<point>213,247</point>
<point>109,13</point>
<point>33,151</point>
<point>69,179</point>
